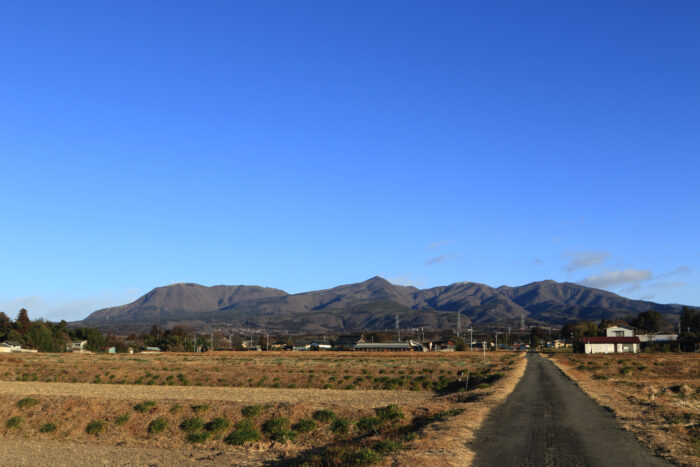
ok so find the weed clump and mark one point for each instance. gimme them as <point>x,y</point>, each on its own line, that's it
<point>197,408</point>
<point>277,429</point>
<point>121,419</point>
<point>217,425</point>
<point>340,426</point>
<point>198,437</point>
<point>95,427</point>
<point>391,413</point>
<point>192,425</point>
<point>304,426</point>
<point>13,422</point>
<point>387,446</point>
<point>368,425</point>
<point>27,402</point>
<point>47,428</point>
<point>251,411</point>
<point>244,432</point>
<point>324,416</point>
<point>145,406</point>
<point>157,425</point>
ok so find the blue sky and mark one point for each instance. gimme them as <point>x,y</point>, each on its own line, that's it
<point>303,145</point>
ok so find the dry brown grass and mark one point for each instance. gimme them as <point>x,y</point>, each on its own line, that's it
<point>71,406</point>
<point>446,443</point>
<point>654,396</point>
<point>416,371</point>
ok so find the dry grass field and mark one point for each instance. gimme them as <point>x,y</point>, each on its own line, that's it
<point>240,405</point>
<point>316,370</point>
<point>655,396</point>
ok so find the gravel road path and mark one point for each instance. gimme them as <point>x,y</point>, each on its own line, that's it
<point>549,421</point>
<point>356,398</point>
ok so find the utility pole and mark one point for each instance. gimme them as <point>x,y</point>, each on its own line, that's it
<point>496,347</point>
<point>459,324</point>
<point>508,337</point>
<point>398,329</point>
<point>267,336</point>
<point>471,339</point>
<point>212,342</point>
<point>484,344</point>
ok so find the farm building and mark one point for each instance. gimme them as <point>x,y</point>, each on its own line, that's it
<point>409,346</point>
<point>321,345</point>
<point>619,330</point>
<point>447,345</point>
<point>611,344</point>
<point>75,346</point>
<point>348,342</point>
<point>658,338</point>
<point>301,345</point>
<point>10,346</point>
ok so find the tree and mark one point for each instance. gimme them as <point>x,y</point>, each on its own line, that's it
<point>23,323</point>
<point>5,325</point>
<point>460,345</point>
<point>648,321</point>
<point>690,321</point>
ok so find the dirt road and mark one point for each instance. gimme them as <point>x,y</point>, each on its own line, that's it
<point>549,421</point>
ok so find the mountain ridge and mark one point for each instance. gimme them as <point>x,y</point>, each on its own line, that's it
<point>371,304</point>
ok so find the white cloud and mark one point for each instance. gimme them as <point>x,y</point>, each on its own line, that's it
<point>436,245</point>
<point>682,270</point>
<point>440,259</point>
<point>612,279</point>
<point>585,259</point>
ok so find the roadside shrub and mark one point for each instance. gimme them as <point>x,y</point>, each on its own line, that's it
<point>191,425</point>
<point>340,426</point>
<point>391,413</point>
<point>367,425</point>
<point>145,406</point>
<point>197,408</point>
<point>304,426</point>
<point>27,402</point>
<point>121,419</point>
<point>364,456</point>
<point>95,427</point>
<point>277,429</point>
<point>324,415</point>
<point>199,437</point>
<point>445,414</point>
<point>387,446</point>
<point>244,432</point>
<point>13,422</point>
<point>250,411</point>
<point>47,428</point>
<point>157,425</point>
<point>217,425</point>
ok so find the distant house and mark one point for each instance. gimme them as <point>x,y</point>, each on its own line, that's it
<point>277,345</point>
<point>658,338</point>
<point>409,346</point>
<point>348,342</point>
<point>152,350</point>
<point>610,345</point>
<point>301,346</point>
<point>112,350</point>
<point>619,330</point>
<point>76,346</point>
<point>321,345</point>
<point>10,346</point>
<point>446,345</point>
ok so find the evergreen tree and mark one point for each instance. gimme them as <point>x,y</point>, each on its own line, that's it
<point>23,323</point>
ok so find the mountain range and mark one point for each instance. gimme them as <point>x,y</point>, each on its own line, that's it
<point>369,305</point>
